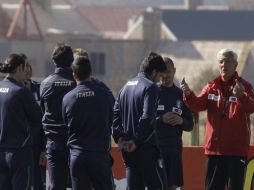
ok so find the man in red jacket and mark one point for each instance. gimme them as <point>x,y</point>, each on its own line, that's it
<point>229,101</point>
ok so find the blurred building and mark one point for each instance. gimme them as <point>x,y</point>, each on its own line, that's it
<point>118,37</point>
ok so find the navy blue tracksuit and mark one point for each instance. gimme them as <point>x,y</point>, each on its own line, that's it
<point>20,122</point>
<point>52,91</point>
<point>87,111</point>
<point>39,176</point>
<point>135,119</point>
<point>170,137</point>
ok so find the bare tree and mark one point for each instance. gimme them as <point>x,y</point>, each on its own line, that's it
<point>199,118</point>
<point>205,76</point>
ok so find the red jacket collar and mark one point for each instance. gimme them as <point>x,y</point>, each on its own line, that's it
<point>231,80</point>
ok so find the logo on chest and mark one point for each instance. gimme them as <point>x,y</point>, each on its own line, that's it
<point>213,97</point>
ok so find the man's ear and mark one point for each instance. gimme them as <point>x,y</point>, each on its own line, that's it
<point>236,64</point>
<point>153,73</point>
<point>74,76</point>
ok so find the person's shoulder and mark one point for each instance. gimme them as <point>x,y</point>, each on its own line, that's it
<point>70,95</point>
<point>99,83</point>
<point>149,82</point>
<point>101,89</point>
<point>23,91</point>
<point>214,82</point>
<point>131,83</point>
<point>245,83</point>
<point>48,79</point>
<point>144,82</point>
<point>177,89</point>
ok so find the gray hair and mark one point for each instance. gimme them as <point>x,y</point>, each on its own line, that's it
<point>227,51</point>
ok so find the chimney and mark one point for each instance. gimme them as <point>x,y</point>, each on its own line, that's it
<point>152,25</point>
<point>192,4</point>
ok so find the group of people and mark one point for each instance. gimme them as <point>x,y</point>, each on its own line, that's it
<point>68,120</point>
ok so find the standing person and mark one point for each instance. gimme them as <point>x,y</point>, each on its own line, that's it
<point>19,116</point>
<point>229,101</point>
<point>176,118</point>
<point>134,127</point>
<point>82,52</point>
<point>88,113</point>
<point>52,91</point>
<point>39,159</point>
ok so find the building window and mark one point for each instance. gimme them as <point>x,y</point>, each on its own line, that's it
<point>98,63</point>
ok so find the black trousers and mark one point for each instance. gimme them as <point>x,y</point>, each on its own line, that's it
<point>145,168</point>
<point>225,171</point>
<point>91,170</point>
<point>39,177</point>
<point>58,168</point>
<point>16,169</point>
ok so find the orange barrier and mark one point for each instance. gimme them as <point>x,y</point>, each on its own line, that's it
<point>193,163</point>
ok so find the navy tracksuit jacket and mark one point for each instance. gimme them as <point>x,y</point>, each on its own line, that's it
<point>87,111</point>
<point>171,100</point>
<point>170,137</point>
<point>135,119</point>
<point>135,111</point>
<point>20,123</point>
<point>39,176</point>
<point>52,91</point>
<point>18,110</point>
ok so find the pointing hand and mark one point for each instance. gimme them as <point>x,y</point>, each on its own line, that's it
<point>185,87</point>
<point>238,88</point>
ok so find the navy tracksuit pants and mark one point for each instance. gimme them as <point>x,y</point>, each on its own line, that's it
<point>145,168</point>
<point>58,166</point>
<point>39,177</point>
<point>16,168</point>
<point>91,170</point>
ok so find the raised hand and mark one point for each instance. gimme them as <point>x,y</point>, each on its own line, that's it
<point>185,87</point>
<point>238,89</point>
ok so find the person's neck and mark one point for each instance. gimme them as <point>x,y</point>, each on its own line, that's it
<point>227,78</point>
<point>15,77</point>
<point>81,81</point>
<point>168,85</point>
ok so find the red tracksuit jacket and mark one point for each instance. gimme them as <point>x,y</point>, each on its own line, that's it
<point>228,117</point>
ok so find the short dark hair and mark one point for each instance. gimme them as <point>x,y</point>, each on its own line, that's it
<point>11,63</point>
<point>152,62</point>
<point>81,67</point>
<point>62,55</point>
<point>23,55</point>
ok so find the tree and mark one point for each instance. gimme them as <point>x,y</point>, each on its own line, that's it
<point>204,76</point>
<point>199,119</point>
